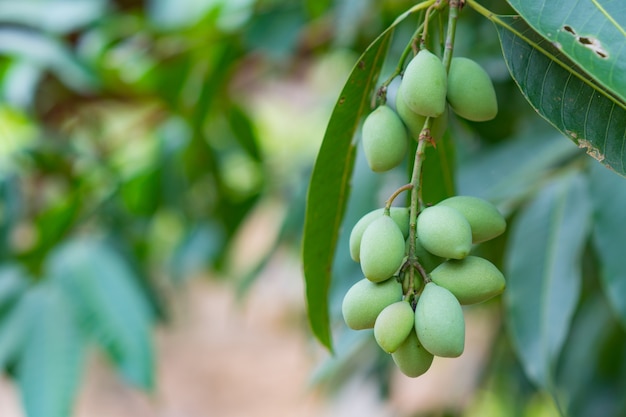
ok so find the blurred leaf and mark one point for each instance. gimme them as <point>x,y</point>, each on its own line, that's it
<point>275,31</point>
<point>51,360</point>
<point>590,33</point>
<point>543,270</point>
<point>200,247</point>
<point>141,192</point>
<point>438,171</point>
<point>608,192</point>
<point>106,295</point>
<point>583,110</point>
<point>14,327</point>
<point>58,16</point>
<point>243,130</point>
<point>13,283</point>
<point>329,186</point>
<point>50,53</point>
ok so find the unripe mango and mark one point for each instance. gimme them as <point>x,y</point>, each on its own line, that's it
<point>400,215</point>
<point>472,280</point>
<point>424,84</point>
<point>411,357</point>
<point>443,231</point>
<point>415,122</point>
<point>470,91</point>
<point>393,325</point>
<point>385,141</point>
<point>382,249</point>
<point>484,218</point>
<point>439,322</point>
<point>365,300</point>
<point>425,258</point>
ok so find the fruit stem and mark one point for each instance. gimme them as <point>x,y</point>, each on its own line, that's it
<point>452,19</point>
<point>395,194</point>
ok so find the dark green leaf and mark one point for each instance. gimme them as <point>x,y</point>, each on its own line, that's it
<point>578,106</point>
<point>590,32</point>
<point>543,270</point>
<point>438,171</point>
<point>51,361</point>
<point>243,131</point>
<point>608,193</point>
<point>105,292</point>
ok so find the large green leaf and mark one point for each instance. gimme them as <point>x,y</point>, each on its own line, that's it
<point>581,108</point>
<point>107,297</point>
<point>608,192</point>
<point>51,359</point>
<point>543,270</point>
<point>590,32</point>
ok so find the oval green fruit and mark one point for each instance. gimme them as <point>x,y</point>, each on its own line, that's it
<point>400,215</point>
<point>365,300</point>
<point>470,91</point>
<point>484,218</point>
<point>424,85</point>
<point>411,357</point>
<point>382,249</point>
<point>415,122</point>
<point>439,322</point>
<point>385,141</point>
<point>472,280</point>
<point>393,325</point>
<point>443,231</point>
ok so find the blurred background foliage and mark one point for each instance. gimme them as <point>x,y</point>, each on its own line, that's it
<point>136,138</point>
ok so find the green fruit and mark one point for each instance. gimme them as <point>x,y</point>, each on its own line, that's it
<point>365,300</point>
<point>484,218</point>
<point>385,141</point>
<point>393,325</point>
<point>472,280</point>
<point>382,249</point>
<point>470,91</point>
<point>439,322</point>
<point>425,258</point>
<point>424,84</point>
<point>411,357</point>
<point>415,122</point>
<point>400,215</point>
<point>443,231</point>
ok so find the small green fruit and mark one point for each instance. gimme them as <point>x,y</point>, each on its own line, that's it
<point>472,280</point>
<point>382,249</point>
<point>439,322</point>
<point>425,258</point>
<point>393,325</point>
<point>424,85</point>
<point>415,122</point>
<point>400,215</point>
<point>443,231</point>
<point>484,218</point>
<point>470,91</point>
<point>365,300</point>
<point>411,357</point>
<point>385,141</point>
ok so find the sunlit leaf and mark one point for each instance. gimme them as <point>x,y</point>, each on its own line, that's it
<point>543,271</point>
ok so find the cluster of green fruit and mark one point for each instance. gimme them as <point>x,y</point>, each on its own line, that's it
<point>425,91</point>
<point>415,320</point>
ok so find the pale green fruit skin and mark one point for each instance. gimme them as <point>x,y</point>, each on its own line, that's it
<point>415,122</point>
<point>385,141</point>
<point>393,325</point>
<point>411,357</point>
<point>472,280</point>
<point>400,215</point>
<point>365,300</point>
<point>444,231</point>
<point>484,218</point>
<point>470,91</point>
<point>425,258</point>
<point>382,249</point>
<point>439,322</point>
<point>424,85</point>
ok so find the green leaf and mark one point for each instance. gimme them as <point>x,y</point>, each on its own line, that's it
<point>106,294</point>
<point>590,32</point>
<point>51,361</point>
<point>438,171</point>
<point>582,109</point>
<point>543,270</point>
<point>608,192</point>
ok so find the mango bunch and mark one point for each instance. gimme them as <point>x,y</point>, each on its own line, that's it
<point>415,321</point>
<point>426,90</point>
